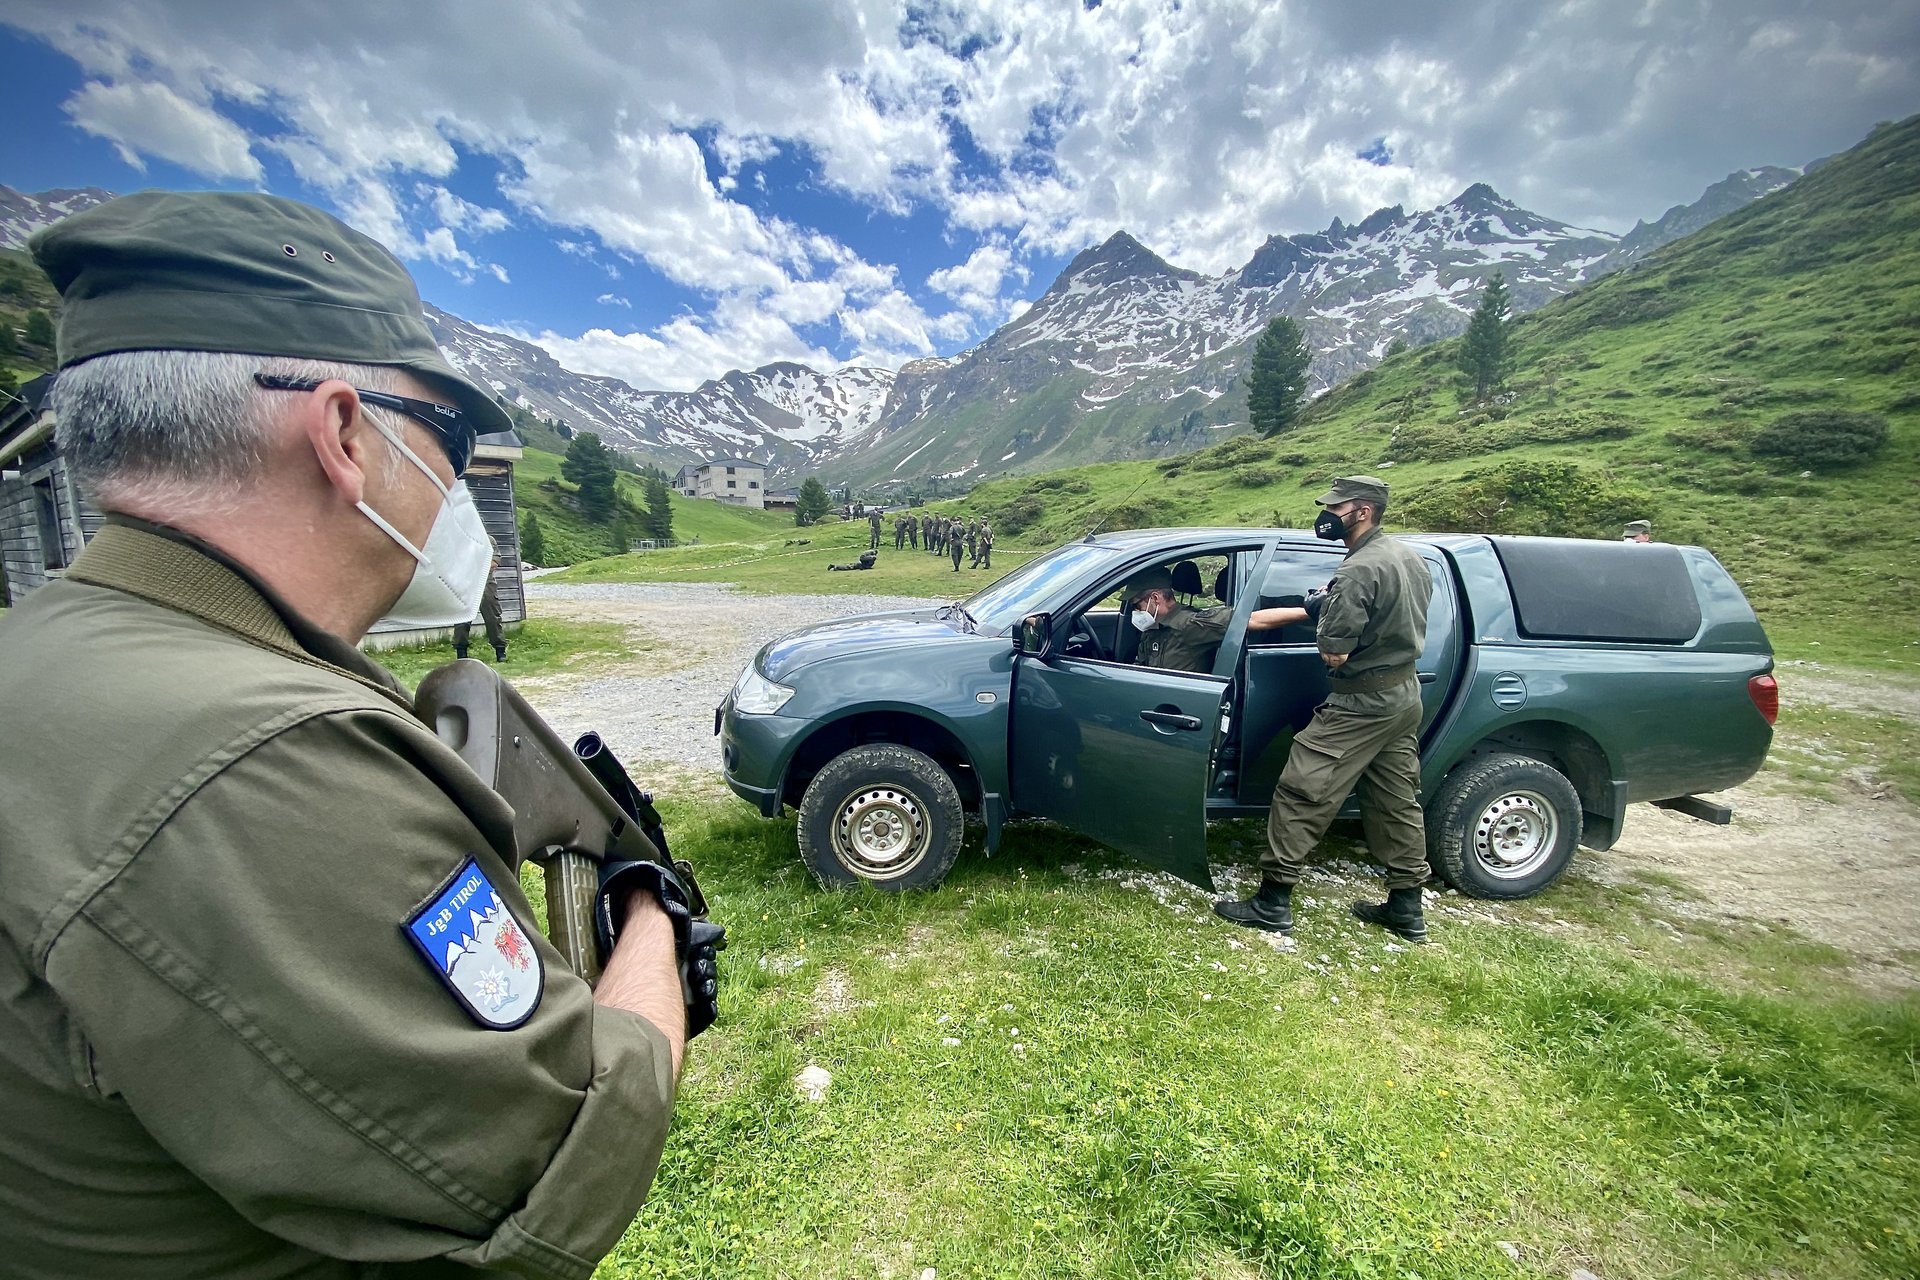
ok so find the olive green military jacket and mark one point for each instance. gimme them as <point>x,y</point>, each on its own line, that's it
<point>223,1051</point>
<point>1185,640</point>
<point>1376,614</point>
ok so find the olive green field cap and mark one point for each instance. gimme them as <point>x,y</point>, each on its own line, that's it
<point>1639,526</point>
<point>1147,580</point>
<point>243,273</point>
<point>1355,489</point>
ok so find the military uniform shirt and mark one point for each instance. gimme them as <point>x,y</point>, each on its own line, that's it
<point>1185,640</point>
<point>1376,614</point>
<point>220,1051</point>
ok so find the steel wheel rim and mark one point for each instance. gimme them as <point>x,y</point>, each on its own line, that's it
<point>1515,835</point>
<point>881,833</point>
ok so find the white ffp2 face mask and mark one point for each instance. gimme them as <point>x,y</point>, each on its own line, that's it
<point>1142,620</point>
<point>450,572</point>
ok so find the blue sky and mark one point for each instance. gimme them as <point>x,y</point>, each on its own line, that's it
<point>664,192</point>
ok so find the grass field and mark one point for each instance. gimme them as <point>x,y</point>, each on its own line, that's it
<point>1056,1066</point>
<point>797,562</point>
<point>540,646</point>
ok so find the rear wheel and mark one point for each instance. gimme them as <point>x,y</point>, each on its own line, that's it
<point>1503,827</point>
<point>884,814</point>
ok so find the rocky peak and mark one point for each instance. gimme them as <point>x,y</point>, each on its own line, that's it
<point>1481,198</point>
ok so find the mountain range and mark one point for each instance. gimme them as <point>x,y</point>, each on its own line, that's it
<point>1125,355</point>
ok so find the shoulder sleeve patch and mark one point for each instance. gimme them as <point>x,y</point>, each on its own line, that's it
<point>467,936</point>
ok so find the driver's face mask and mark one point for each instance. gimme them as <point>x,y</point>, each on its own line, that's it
<point>1142,618</point>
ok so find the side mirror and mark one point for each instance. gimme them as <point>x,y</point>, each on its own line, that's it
<point>1035,636</point>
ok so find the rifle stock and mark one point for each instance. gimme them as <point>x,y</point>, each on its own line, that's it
<point>564,819</point>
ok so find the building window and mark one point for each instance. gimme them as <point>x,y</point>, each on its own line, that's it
<point>729,470</point>
<point>753,484</point>
<point>46,508</point>
<point>729,484</point>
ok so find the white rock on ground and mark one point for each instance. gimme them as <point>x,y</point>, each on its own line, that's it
<point>813,1083</point>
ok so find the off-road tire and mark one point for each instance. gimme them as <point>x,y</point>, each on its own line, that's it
<point>883,814</point>
<point>1504,826</point>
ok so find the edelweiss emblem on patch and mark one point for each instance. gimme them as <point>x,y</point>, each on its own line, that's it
<point>468,936</point>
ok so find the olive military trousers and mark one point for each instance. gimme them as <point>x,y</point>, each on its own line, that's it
<point>1368,739</point>
<point>489,617</point>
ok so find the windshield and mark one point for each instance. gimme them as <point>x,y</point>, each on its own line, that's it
<point>1033,586</point>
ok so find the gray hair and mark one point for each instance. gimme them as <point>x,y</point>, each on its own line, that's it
<point>186,431</point>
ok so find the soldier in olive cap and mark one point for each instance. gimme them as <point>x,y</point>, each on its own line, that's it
<point>1638,531</point>
<point>271,999</point>
<point>1370,626</point>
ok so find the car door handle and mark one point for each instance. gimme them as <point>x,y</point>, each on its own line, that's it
<point>1428,677</point>
<point>1170,719</point>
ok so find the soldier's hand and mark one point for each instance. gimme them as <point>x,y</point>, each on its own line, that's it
<point>1334,661</point>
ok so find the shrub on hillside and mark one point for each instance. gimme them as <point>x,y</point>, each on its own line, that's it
<point>1253,477</point>
<point>1822,439</point>
<point>1714,437</point>
<point>1019,515</point>
<point>1561,499</point>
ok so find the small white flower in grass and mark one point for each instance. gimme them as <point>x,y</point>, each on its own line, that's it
<point>950,1042</point>
<point>1206,995</point>
<point>1014,1032</point>
<point>1276,1008</point>
<point>1509,1248</point>
<point>1335,999</point>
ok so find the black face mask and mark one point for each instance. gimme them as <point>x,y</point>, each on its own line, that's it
<point>1329,526</point>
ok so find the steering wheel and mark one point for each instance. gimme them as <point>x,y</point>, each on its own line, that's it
<point>1083,643</point>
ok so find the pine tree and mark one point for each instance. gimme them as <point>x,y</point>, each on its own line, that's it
<point>533,542</point>
<point>812,503</point>
<point>1277,384</point>
<point>39,328</point>
<point>659,518</point>
<point>1485,360</point>
<point>9,343</point>
<point>620,538</point>
<point>591,471</point>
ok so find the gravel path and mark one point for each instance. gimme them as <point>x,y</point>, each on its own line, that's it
<point>691,642</point>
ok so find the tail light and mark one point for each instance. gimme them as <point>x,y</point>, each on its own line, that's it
<point>1765,692</point>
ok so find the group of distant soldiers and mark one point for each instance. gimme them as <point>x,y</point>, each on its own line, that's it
<point>937,535</point>
<point>949,536</point>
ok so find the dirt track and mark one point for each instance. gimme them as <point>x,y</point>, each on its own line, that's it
<point>1844,871</point>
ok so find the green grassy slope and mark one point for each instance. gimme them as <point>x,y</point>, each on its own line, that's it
<point>571,537</point>
<point>1637,396</point>
<point>24,288</point>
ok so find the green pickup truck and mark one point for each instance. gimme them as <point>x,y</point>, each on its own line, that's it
<point>1563,681</point>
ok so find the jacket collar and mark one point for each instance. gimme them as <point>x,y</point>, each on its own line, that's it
<point>180,572</point>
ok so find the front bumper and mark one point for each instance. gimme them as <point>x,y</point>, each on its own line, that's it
<point>754,751</point>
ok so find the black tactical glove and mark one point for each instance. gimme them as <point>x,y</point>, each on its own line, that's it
<point>696,940</point>
<point>1315,601</point>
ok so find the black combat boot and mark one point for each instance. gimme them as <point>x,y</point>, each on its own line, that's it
<point>1400,914</point>
<point>499,653</point>
<point>1270,909</point>
<point>459,651</point>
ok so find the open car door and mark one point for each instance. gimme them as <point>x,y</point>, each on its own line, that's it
<point>1119,753</point>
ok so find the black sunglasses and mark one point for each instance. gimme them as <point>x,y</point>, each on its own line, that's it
<point>448,424</point>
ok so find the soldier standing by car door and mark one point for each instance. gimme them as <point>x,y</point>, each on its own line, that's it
<point>1370,627</point>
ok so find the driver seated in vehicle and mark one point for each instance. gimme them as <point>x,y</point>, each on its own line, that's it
<point>1174,636</point>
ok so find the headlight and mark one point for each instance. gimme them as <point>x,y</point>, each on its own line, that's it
<point>755,695</point>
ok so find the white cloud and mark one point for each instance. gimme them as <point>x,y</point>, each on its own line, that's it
<point>975,284</point>
<point>1029,128</point>
<point>152,120</point>
<point>613,300</point>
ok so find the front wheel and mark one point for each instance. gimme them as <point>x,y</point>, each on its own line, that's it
<point>1503,827</point>
<point>884,814</point>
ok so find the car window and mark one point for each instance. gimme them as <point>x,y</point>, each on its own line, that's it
<point>1033,586</point>
<point>1293,572</point>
